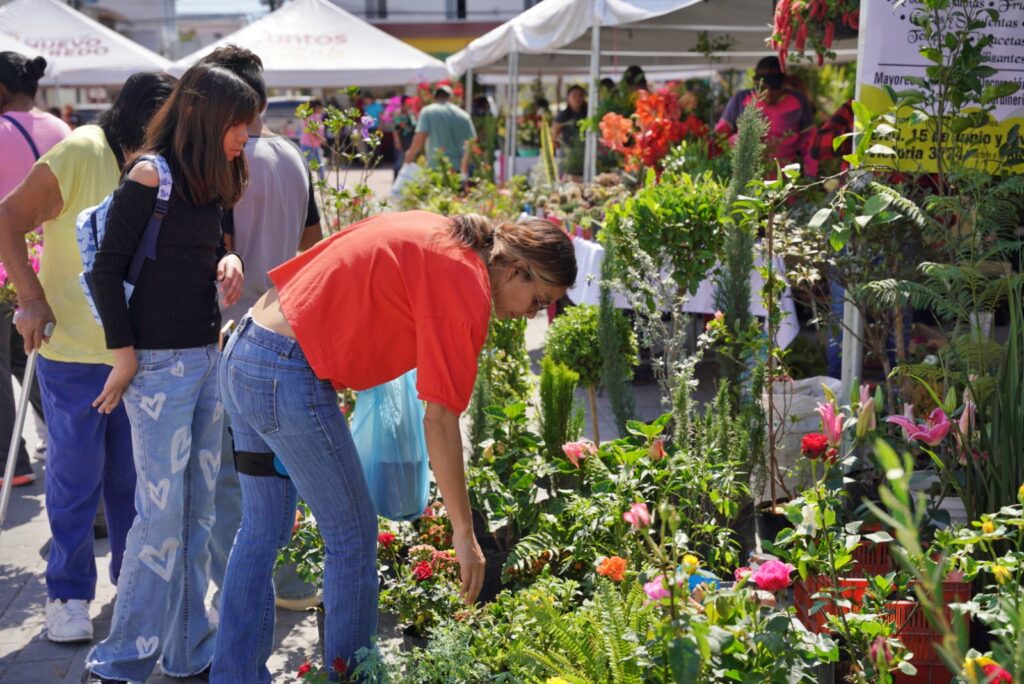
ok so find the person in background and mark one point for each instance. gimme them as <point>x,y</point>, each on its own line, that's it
<point>311,142</point>
<point>443,128</point>
<point>634,79</point>
<point>280,195</point>
<point>288,130</point>
<point>565,129</point>
<point>373,109</point>
<point>605,88</point>
<point>89,454</point>
<point>789,115</point>
<point>26,133</point>
<point>404,129</point>
<point>164,342</point>
<point>387,294</point>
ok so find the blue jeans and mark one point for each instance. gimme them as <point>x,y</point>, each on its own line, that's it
<point>277,405</point>
<point>88,455</point>
<point>174,407</point>
<point>310,153</point>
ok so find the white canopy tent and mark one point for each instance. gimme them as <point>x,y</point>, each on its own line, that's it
<point>80,51</point>
<point>9,44</point>
<point>316,44</point>
<point>567,36</point>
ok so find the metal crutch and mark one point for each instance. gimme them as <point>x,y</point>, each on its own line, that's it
<point>19,424</point>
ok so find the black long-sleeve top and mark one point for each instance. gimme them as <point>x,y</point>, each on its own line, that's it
<point>174,304</point>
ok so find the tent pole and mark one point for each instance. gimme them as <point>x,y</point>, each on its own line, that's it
<point>590,147</point>
<point>852,347</point>
<point>468,104</point>
<point>513,107</point>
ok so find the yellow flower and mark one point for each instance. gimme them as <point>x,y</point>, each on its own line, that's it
<point>974,669</point>
<point>1001,573</point>
<point>690,563</point>
<point>1020,494</point>
<point>988,527</point>
<point>556,680</point>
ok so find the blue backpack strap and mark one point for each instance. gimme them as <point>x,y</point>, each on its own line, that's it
<point>24,133</point>
<point>147,246</point>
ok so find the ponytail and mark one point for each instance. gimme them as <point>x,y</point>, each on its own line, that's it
<point>543,247</point>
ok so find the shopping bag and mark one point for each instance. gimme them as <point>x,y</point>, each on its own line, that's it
<point>408,172</point>
<point>387,428</point>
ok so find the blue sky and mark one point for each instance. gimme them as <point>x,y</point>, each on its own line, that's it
<point>220,6</point>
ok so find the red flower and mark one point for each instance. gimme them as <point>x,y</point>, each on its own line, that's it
<point>996,675</point>
<point>339,665</point>
<point>813,446</point>
<point>385,539</point>
<point>422,571</point>
<point>304,670</point>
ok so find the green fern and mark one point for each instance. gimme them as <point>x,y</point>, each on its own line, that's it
<point>531,549</point>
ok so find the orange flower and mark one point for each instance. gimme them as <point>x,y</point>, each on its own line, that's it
<point>613,568</point>
<point>615,131</point>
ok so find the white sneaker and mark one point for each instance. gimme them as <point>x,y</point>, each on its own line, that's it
<point>68,621</point>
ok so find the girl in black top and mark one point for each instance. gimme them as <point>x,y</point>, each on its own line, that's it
<point>164,343</point>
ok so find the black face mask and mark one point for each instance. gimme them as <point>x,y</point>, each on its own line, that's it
<point>770,81</point>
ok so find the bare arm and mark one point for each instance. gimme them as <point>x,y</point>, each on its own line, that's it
<point>444,446</point>
<point>464,166</point>
<point>418,141</point>
<point>311,235</point>
<point>35,200</point>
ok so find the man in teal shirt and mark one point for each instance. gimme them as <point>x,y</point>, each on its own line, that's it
<point>444,129</point>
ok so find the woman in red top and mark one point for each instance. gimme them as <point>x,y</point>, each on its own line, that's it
<point>387,294</point>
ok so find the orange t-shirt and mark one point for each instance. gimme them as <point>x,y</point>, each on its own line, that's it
<point>386,295</point>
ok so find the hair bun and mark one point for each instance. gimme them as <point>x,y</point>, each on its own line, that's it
<point>35,68</point>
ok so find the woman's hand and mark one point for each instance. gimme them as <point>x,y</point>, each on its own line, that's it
<point>229,273</point>
<point>32,320</point>
<point>125,366</point>
<point>472,564</point>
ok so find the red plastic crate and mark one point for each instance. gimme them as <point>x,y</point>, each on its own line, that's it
<point>871,559</point>
<point>917,634</point>
<point>853,589</point>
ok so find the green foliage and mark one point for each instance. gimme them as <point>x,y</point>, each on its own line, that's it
<point>503,375</point>
<point>343,200</point>
<point>732,291</point>
<point>560,420</point>
<point>574,340</point>
<point>615,374</point>
<point>605,642</point>
<point>674,221</point>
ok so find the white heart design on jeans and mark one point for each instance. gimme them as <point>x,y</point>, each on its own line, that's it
<point>153,405</point>
<point>218,412</point>
<point>178,369</point>
<point>181,445</point>
<point>147,647</point>
<point>161,562</point>
<point>158,492</point>
<point>207,523</point>
<point>210,464</point>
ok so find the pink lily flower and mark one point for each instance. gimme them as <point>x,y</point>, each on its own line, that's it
<point>831,423</point>
<point>638,516</point>
<point>931,432</point>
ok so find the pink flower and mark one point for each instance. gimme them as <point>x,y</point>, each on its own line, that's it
<point>931,432</point>
<point>866,421</point>
<point>772,575</point>
<point>831,423</point>
<point>742,573</point>
<point>577,451</point>
<point>638,516</point>
<point>656,452</point>
<point>656,589</point>
<point>966,423</point>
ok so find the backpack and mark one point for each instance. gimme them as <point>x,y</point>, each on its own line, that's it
<point>92,224</point>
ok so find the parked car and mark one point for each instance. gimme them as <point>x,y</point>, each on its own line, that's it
<point>281,110</point>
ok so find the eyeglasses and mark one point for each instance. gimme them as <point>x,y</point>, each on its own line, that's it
<point>538,305</point>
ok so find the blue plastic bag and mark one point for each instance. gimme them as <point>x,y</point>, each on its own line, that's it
<point>387,427</point>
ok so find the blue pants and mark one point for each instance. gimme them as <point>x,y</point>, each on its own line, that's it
<point>177,426</point>
<point>277,405</point>
<point>89,454</point>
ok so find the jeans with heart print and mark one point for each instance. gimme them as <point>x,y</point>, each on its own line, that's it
<point>174,407</point>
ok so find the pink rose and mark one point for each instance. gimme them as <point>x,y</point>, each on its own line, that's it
<point>577,451</point>
<point>656,589</point>
<point>638,516</point>
<point>772,575</point>
<point>742,573</point>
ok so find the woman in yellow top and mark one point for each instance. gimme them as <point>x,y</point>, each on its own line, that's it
<point>89,453</point>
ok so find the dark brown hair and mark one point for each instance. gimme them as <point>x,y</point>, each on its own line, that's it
<point>542,246</point>
<point>243,63</point>
<point>189,128</point>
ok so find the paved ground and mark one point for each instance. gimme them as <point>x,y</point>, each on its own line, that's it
<point>26,657</point>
